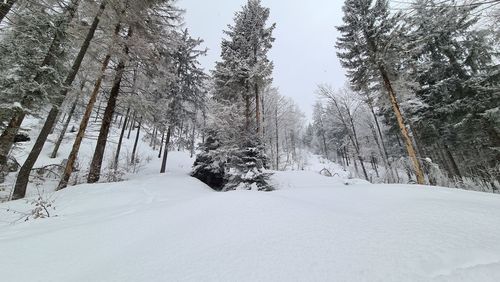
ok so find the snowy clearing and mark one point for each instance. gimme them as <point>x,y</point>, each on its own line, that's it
<point>314,228</point>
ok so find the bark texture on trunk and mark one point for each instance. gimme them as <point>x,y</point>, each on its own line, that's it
<point>165,151</point>
<point>247,113</point>
<point>134,150</point>
<point>5,6</point>
<point>277,139</point>
<point>8,135</point>
<point>65,126</point>
<point>257,109</point>
<point>24,172</point>
<point>132,124</point>
<point>161,144</point>
<point>385,155</point>
<point>402,126</point>
<point>120,141</point>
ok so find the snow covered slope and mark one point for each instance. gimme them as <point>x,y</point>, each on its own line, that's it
<point>314,228</point>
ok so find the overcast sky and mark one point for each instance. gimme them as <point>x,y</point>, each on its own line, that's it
<point>303,54</point>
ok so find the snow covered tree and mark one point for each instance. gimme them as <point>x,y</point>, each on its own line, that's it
<point>282,128</point>
<point>245,68</point>
<point>36,37</point>
<point>454,63</point>
<point>239,79</point>
<point>367,49</point>
<point>345,107</point>
<point>186,92</point>
<point>23,175</point>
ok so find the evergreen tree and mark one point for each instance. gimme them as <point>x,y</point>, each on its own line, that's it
<point>238,82</point>
<point>187,90</point>
<point>367,50</point>
<point>38,38</point>
<point>457,73</point>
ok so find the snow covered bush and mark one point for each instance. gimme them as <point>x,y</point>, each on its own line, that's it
<point>232,168</point>
<point>40,206</point>
<point>209,168</point>
<point>245,170</point>
<point>209,164</point>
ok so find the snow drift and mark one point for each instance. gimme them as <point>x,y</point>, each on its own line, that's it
<point>313,228</point>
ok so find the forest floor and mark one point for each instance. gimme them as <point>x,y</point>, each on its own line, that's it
<point>172,227</point>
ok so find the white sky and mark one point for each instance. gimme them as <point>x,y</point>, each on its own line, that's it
<point>303,53</point>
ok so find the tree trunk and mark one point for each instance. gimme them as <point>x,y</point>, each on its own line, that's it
<point>23,176</point>
<point>247,113</point>
<point>120,141</point>
<point>264,125</point>
<point>161,144</point>
<point>95,166</point>
<point>136,141</point>
<point>325,148</point>
<point>24,172</point>
<point>453,163</point>
<point>165,151</point>
<point>385,155</point>
<point>66,124</point>
<point>277,139</point>
<point>355,165</point>
<point>132,124</point>
<point>351,132</point>
<point>153,136</point>
<point>388,170</point>
<point>85,120</point>
<point>271,150</point>
<point>121,120</point>
<point>204,127</point>
<point>7,137</point>
<point>181,130</point>
<point>402,126</point>
<point>340,156</point>
<point>357,147</point>
<point>5,6</point>
<point>257,109</point>
<point>57,121</point>
<point>83,127</point>
<point>193,136</point>
<point>97,110</point>
<point>346,155</point>
<point>374,161</point>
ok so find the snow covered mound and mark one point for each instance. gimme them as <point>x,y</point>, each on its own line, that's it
<point>313,228</point>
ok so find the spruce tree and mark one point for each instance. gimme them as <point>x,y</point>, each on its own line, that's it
<point>367,49</point>
<point>239,78</point>
<point>457,73</point>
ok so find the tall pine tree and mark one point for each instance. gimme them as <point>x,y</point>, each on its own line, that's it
<point>367,49</point>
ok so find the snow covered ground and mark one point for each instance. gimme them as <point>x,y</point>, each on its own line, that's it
<point>173,228</point>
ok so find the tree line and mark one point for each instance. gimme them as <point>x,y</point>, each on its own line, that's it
<point>423,94</point>
<point>251,127</point>
<point>110,65</point>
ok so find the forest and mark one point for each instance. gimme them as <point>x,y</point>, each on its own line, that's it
<point>420,103</point>
<point>130,152</point>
